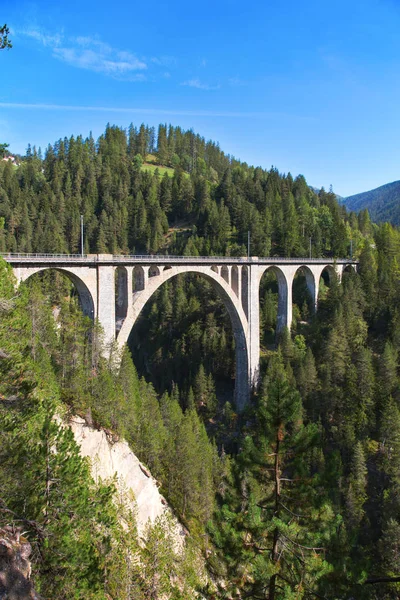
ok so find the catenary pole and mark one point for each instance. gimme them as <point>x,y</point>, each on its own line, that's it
<point>82,235</point>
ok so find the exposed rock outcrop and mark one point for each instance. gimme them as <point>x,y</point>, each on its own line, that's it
<point>15,567</point>
<point>109,459</point>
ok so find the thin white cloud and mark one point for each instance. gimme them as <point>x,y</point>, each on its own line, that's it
<point>42,37</point>
<point>237,82</point>
<point>84,52</point>
<point>93,61</point>
<point>156,111</point>
<point>87,41</point>
<point>164,61</point>
<point>196,83</point>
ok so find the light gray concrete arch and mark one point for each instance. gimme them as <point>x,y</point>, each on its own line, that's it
<point>235,280</point>
<point>138,279</point>
<point>245,278</point>
<point>349,268</point>
<point>121,295</point>
<point>332,271</point>
<point>84,283</point>
<point>225,273</point>
<point>232,304</point>
<point>311,282</point>
<point>284,276</point>
<point>154,270</point>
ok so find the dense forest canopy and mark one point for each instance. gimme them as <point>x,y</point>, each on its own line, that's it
<point>198,201</point>
<point>298,497</point>
<point>383,203</point>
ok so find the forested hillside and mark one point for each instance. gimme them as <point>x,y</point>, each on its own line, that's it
<point>383,203</point>
<point>297,498</point>
<point>84,538</point>
<point>205,203</point>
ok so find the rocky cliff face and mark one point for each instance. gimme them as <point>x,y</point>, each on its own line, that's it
<point>109,459</point>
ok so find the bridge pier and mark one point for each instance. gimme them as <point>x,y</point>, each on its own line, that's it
<point>253,336</point>
<point>106,302</point>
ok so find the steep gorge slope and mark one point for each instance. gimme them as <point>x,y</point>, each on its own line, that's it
<point>109,459</point>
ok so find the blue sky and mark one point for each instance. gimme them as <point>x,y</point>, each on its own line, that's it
<point>311,87</point>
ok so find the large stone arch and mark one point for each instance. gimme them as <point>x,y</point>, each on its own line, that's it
<point>87,296</point>
<point>232,304</point>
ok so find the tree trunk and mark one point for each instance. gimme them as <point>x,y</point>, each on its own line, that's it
<point>274,551</point>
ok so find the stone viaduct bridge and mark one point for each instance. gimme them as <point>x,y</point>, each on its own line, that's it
<point>114,290</point>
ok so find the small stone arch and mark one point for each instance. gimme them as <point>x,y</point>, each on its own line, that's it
<point>225,273</point>
<point>349,268</point>
<point>328,274</point>
<point>312,284</point>
<point>138,279</point>
<point>121,296</point>
<point>215,269</point>
<point>85,296</point>
<point>154,271</point>
<point>244,290</point>
<point>284,306</point>
<point>235,280</point>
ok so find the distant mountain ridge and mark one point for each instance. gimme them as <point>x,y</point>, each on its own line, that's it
<point>383,203</point>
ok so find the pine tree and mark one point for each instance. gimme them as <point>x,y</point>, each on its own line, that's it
<point>273,534</point>
<point>162,146</point>
<point>388,371</point>
<point>356,491</point>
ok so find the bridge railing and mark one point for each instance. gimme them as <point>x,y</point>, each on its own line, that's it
<point>6,255</point>
<point>228,259</point>
<point>95,258</point>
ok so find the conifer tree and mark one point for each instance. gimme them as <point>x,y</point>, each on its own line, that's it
<point>356,491</point>
<point>162,145</point>
<point>275,530</point>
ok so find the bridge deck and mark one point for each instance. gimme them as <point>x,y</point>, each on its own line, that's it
<point>109,259</point>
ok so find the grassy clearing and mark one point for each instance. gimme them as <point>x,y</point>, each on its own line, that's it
<point>151,164</point>
<point>151,159</point>
<point>151,167</point>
